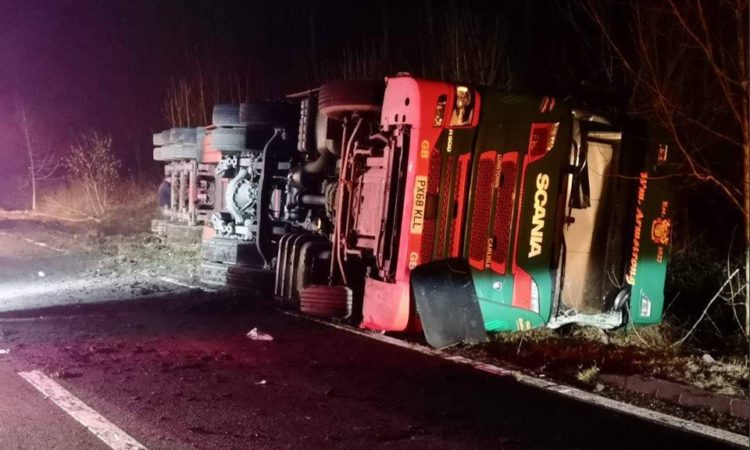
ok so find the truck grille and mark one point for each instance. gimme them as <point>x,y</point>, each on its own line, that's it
<point>480,215</point>
<point>445,205</point>
<point>433,188</point>
<point>459,189</point>
<point>504,212</point>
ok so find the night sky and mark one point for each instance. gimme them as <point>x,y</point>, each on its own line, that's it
<point>74,67</point>
<point>103,65</point>
<point>81,65</point>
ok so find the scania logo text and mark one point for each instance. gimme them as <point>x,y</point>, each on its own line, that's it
<point>540,212</point>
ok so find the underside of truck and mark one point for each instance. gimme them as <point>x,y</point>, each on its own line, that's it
<point>460,211</point>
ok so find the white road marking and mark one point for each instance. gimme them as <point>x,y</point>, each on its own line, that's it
<point>189,286</point>
<point>37,243</point>
<point>556,388</point>
<point>51,317</point>
<point>102,428</point>
<point>44,245</point>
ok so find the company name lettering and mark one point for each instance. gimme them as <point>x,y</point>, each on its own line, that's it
<point>498,172</point>
<point>537,222</point>
<point>630,277</point>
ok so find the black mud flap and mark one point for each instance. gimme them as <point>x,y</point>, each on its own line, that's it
<point>447,303</point>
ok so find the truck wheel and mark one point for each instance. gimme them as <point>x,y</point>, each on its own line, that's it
<point>176,152</point>
<point>230,251</point>
<point>338,98</point>
<point>161,138</point>
<point>226,115</point>
<point>326,301</point>
<point>250,279</point>
<point>183,135</point>
<point>213,274</point>
<point>267,114</point>
<point>229,140</point>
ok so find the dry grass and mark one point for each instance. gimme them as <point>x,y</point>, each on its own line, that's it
<point>580,354</point>
<point>130,208</point>
<point>133,205</point>
<point>588,376</point>
<point>66,203</point>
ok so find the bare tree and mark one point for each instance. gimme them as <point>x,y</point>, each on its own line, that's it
<point>189,100</point>
<point>43,162</point>
<point>93,168</point>
<point>475,45</point>
<point>472,46</point>
<point>184,104</point>
<point>688,65</point>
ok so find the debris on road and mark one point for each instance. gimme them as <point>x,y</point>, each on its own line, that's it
<point>257,335</point>
<point>66,374</point>
<point>4,351</point>
<point>261,383</point>
<point>94,348</point>
<point>41,274</point>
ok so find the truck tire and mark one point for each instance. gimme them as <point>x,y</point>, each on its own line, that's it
<point>161,138</point>
<point>267,114</point>
<point>213,274</point>
<point>183,135</point>
<point>326,301</point>
<point>230,251</point>
<point>226,115</point>
<point>338,98</point>
<point>250,279</point>
<point>230,140</point>
<point>176,152</point>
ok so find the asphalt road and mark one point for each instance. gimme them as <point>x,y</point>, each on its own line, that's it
<point>177,371</point>
<point>44,264</point>
<point>27,420</point>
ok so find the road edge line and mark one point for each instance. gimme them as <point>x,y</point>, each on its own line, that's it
<point>550,386</point>
<point>97,424</point>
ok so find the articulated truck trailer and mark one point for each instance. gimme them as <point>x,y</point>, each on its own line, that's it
<point>461,210</point>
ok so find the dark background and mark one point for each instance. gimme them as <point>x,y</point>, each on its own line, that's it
<point>79,65</point>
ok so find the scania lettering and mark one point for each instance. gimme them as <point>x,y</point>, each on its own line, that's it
<point>540,200</point>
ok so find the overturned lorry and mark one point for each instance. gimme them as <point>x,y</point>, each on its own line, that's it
<point>461,210</point>
<point>189,168</point>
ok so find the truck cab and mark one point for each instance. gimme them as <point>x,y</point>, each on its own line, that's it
<point>542,208</point>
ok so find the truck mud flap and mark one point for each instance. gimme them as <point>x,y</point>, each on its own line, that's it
<point>447,303</point>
